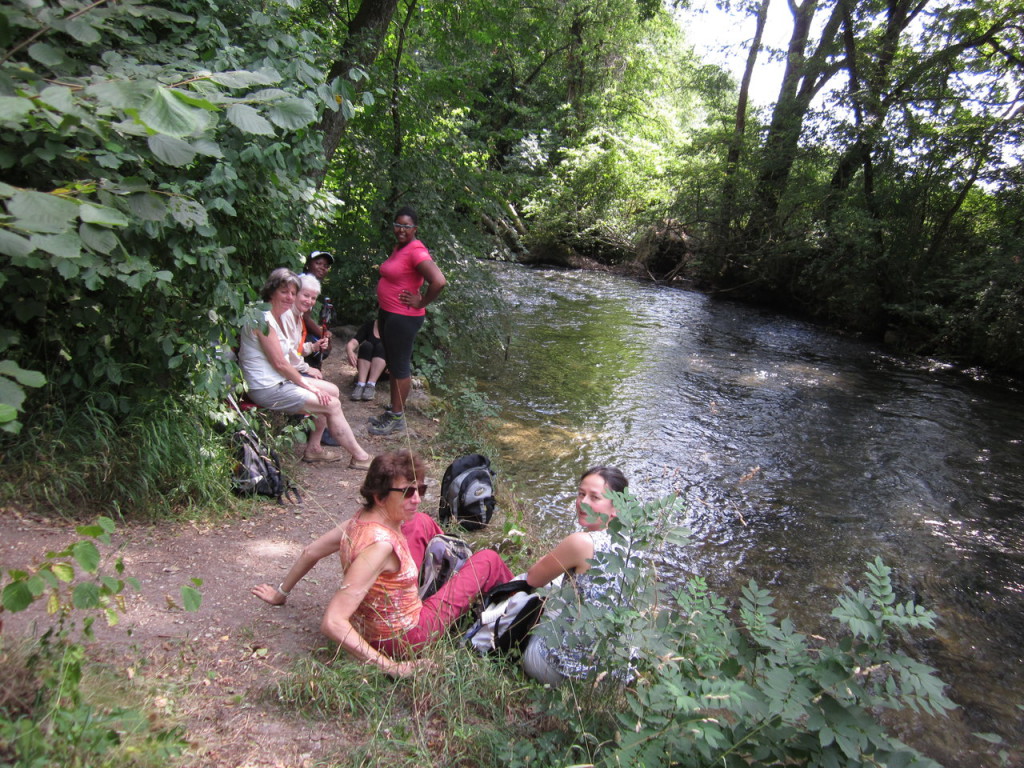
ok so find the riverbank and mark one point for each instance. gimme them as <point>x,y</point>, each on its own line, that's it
<point>214,671</point>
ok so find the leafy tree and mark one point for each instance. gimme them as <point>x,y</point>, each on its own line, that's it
<point>157,160</point>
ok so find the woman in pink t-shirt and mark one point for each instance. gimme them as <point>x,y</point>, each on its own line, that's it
<point>402,307</point>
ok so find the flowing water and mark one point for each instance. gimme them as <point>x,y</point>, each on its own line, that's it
<point>801,455</point>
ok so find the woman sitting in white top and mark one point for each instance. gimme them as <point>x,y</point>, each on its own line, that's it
<point>276,384</point>
<point>580,556</point>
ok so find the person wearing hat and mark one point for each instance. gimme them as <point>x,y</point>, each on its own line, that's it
<point>318,265</point>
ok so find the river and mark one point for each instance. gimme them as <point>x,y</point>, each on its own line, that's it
<point>801,455</point>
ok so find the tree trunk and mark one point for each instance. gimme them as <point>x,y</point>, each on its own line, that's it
<point>727,206</point>
<point>366,32</point>
<point>804,76</point>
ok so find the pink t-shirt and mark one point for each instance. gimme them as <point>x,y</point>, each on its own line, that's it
<point>398,273</point>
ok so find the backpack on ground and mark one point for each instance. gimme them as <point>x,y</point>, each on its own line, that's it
<point>258,470</point>
<point>467,492</point>
<point>510,612</point>
<point>443,558</point>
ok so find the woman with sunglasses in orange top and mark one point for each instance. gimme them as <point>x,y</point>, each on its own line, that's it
<point>377,615</point>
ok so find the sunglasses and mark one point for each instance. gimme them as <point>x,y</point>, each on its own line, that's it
<point>396,225</point>
<point>409,490</point>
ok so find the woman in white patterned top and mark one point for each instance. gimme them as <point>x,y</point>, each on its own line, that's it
<point>574,556</point>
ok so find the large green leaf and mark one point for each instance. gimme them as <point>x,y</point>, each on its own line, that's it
<point>23,377</point>
<point>188,212</point>
<point>191,598</point>
<point>17,596</point>
<point>99,239</point>
<point>80,29</point>
<point>40,212</point>
<point>170,115</point>
<point>66,245</point>
<point>11,394</point>
<point>86,555</point>
<point>44,53</point>
<point>207,147</point>
<point>101,214</point>
<point>14,108</point>
<point>148,206</point>
<point>244,79</point>
<point>8,420</point>
<point>14,245</point>
<point>59,97</point>
<point>86,595</point>
<point>269,94</point>
<point>248,120</point>
<point>172,151</point>
<point>123,94</point>
<point>291,114</point>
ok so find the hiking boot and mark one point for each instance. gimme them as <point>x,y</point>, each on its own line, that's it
<point>323,455</point>
<point>369,391</point>
<point>357,392</point>
<point>376,421</point>
<point>391,425</point>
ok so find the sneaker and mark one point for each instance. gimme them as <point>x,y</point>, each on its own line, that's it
<point>376,421</point>
<point>392,425</point>
<point>357,392</point>
<point>369,391</point>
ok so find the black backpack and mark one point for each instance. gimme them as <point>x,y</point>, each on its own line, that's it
<point>258,470</point>
<point>510,612</point>
<point>467,492</point>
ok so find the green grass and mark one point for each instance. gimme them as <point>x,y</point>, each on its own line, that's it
<point>464,713</point>
<point>164,458</point>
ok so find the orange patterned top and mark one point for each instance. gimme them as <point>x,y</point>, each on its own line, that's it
<point>392,606</point>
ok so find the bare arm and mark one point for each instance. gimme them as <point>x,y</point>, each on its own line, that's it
<point>435,284</point>
<point>337,625</point>
<point>311,554</point>
<point>571,554</point>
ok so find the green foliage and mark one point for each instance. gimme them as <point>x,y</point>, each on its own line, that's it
<point>51,721</point>
<point>157,163</point>
<point>878,193</point>
<point>164,456</point>
<point>709,684</point>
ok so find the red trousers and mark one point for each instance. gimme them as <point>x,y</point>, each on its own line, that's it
<point>484,570</point>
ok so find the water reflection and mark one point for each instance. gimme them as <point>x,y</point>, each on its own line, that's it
<point>801,456</point>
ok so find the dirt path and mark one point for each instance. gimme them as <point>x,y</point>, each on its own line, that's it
<point>213,668</point>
